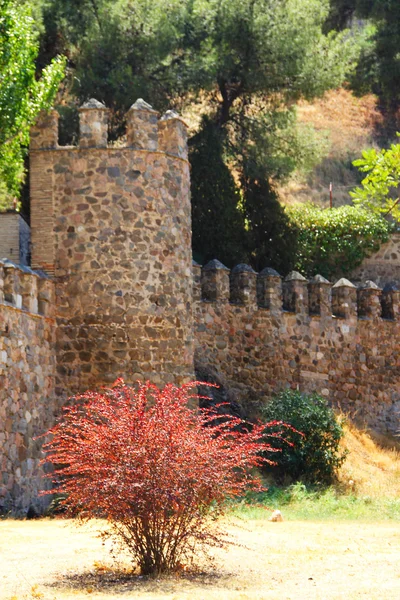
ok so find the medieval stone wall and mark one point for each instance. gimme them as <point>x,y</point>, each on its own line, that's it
<point>261,335</point>
<point>27,376</point>
<point>383,266</point>
<point>113,225</point>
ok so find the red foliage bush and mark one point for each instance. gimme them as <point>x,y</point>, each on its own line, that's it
<point>153,467</point>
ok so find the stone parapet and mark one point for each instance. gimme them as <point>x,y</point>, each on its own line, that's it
<point>295,293</point>
<point>320,296</point>
<point>27,379</point>
<point>93,125</point>
<point>369,301</point>
<point>315,298</point>
<point>173,135</point>
<point>344,299</point>
<point>391,302</point>
<point>319,339</point>
<point>269,289</point>
<point>142,126</point>
<point>215,282</point>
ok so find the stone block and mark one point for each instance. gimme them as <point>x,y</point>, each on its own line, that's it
<point>243,285</point>
<point>93,125</point>
<point>269,290</point>
<point>142,126</point>
<point>295,293</point>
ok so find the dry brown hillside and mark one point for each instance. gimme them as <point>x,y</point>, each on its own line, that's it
<point>349,124</point>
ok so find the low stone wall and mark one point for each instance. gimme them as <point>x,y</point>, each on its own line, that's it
<point>261,335</point>
<point>27,372</point>
<point>382,267</point>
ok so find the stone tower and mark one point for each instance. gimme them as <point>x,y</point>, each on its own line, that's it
<point>112,225</point>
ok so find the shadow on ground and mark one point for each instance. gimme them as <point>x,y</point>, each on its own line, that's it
<point>120,581</point>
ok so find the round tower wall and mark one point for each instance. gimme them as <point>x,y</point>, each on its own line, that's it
<point>120,252</point>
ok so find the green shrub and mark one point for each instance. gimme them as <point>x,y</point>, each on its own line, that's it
<point>333,242</point>
<point>314,454</point>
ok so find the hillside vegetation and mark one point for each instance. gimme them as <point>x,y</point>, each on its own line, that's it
<point>346,125</point>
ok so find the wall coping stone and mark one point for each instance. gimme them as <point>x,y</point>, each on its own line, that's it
<point>320,280</point>
<point>141,104</point>
<point>369,285</point>
<point>343,283</point>
<point>269,272</point>
<point>215,265</point>
<point>93,104</point>
<point>243,268</point>
<point>295,276</point>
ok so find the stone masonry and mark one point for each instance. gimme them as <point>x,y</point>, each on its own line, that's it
<point>113,293</point>
<point>27,373</point>
<point>383,266</point>
<point>14,237</point>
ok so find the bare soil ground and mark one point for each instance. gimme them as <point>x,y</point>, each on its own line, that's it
<point>55,560</point>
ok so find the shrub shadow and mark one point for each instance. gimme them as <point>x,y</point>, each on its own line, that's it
<point>115,581</point>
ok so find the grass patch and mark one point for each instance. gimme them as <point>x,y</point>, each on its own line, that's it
<point>299,502</point>
<point>367,489</point>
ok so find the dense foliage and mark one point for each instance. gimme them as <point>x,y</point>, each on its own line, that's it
<point>156,469</point>
<point>378,69</point>
<point>217,222</point>
<point>333,242</point>
<point>22,94</point>
<point>383,177</point>
<point>314,454</point>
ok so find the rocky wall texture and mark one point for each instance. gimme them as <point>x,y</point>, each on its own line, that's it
<point>119,246</point>
<point>259,335</point>
<point>14,238</point>
<point>27,378</point>
<point>382,267</point>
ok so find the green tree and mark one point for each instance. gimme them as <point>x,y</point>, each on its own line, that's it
<point>22,94</point>
<point>215,200</point>
<point>378,69</point>
<point>271,238</point>
<point>313,453</point>
<point>377,193</point>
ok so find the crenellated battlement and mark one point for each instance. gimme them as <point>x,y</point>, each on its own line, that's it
<point>26,290</point>
<point>145,131</point>
<point>260,333</point>
<point>242,286</point>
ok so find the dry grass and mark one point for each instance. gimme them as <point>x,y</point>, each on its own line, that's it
<point>53,560</point>
<point>350,124</point>
<point>373,464</point>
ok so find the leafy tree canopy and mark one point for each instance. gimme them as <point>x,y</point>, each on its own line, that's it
<point>382,179</point>
<point>246,58</point>
<point>22,94</point>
